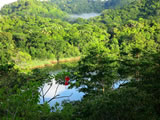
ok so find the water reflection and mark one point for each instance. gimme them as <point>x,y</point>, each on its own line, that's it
<point>62,92</point>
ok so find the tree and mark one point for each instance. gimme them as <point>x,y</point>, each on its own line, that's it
<point>6,47</point>
<point>58,47</point>
<point>96,71</point>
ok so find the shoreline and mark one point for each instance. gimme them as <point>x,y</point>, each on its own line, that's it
<point>53,62</point>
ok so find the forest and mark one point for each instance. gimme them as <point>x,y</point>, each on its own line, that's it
<point>122,44</point>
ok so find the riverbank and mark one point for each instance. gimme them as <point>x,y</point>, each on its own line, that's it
<point>46,63</point>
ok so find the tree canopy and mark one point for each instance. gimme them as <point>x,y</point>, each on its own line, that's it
<point>119,67</point>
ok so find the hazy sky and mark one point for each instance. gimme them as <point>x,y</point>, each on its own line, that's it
<point>3,2</point>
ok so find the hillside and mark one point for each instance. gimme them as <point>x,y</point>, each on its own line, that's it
<point>89,6</point>
<point>51,7</point>
<point>110,4</point>
<point>144,9</point>
<point>33,8</point>
<point>80,6</point>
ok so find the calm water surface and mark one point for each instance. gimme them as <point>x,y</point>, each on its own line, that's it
<point>62,91</point>
<point>85,15</point>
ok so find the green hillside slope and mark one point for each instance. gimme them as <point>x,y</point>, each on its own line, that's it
<point>33,8</point>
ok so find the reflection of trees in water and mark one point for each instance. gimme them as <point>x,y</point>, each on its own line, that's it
<point>55,85</point>
<point>44,90</point>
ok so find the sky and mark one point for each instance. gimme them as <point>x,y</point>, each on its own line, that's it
<point>3,2</point>
<point>62,91</point>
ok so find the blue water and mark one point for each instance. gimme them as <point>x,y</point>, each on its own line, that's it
<point>73,94</point>
<point>61,91</point>
<point>70,94</point>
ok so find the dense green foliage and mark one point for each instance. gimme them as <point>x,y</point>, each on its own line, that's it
<point>117,3</point>
<point>33,8</point>
<point>130,58</point>
<point>48,38</point>
<point>88,6</point>
<point>121,46</point>
<point>6,47</point>
<point>19,93</point>
<point>54,8</point>
<point>80,6</point>
<point>135,11</point>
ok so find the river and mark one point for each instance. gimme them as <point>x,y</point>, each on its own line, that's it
<point>84,15</point>
<point>62,92</point>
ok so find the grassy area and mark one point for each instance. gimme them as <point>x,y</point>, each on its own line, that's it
<point>37,63</point>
